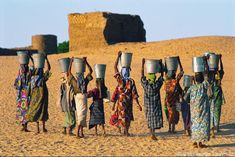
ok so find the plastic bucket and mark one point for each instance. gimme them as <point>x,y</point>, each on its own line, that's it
<point>198,64</point>
<point>152,66</point>
<point>172,63</point>
<point>80,66</point>
<point>39,60</point>
<point>126,58</point>
<point>23,57</point>
<point>188,80</point>
<point>64,64</point>
<point>100,70</point>
<point>213,61</point>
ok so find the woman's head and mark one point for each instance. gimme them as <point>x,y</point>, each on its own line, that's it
<point>171,74</point>
<point>199,77</point>
<point>24,68</point>
<point>151,78</point>
<point>125,73</point>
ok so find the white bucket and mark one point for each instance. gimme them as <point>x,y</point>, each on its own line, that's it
<point>126,58</point>
<point>80,66</point>
<point>23,57</point>
<point>153,66</point>
<point>198,64</point>
<point>39,60</point>
<point>172,63</point>
<point>64,64</point>
<point>100,70</point>
<point>188,80</point>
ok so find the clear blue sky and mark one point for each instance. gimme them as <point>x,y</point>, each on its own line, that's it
<point>163,19</point>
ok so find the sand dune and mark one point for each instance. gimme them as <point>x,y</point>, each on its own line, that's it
<point>14,142</point>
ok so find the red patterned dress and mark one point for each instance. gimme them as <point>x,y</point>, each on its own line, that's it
<point>124,94</point>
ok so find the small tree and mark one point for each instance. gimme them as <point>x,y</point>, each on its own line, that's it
<point>63,47</point>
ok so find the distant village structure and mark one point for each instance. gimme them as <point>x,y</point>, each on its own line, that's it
<point>40,43</point>
<point>103,28</point>
<point>86,30</point>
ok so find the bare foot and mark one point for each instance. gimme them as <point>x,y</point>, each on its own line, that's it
<point>154,138</point>
<point>45,130</point>
<point>195,145</point>
<point>26,130</point>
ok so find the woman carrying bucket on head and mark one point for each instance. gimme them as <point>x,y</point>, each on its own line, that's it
<point>217,99</point>
<point>173,91</point>
<point>97,116</point>
<point>152,99</point>
<point>124,94</point>
<point>185,105</point>
<point>81,96</point>
<point>199,103</point>
<point>66,100</point>
<point>38,110</point>
<point>22,85</point>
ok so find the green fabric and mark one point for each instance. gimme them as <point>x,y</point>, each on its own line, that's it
<point>38,110</point>
<point>151,78</point>
<point>69,120</point>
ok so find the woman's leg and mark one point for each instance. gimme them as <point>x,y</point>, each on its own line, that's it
<point>104,133</point>
<point>38,129</point>
<point>213,132</point>
<point>96,133</point>
<point>153,134</point>
<point>82,134</point>
<point>26,127</point>
<point>78,131</point>
<point>44,126</point>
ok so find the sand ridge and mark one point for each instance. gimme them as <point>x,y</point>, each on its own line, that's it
<point>14,142</point>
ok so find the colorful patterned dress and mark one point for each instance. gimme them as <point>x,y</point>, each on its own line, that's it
<point>173,91</point>
<point>38,110</point>
<point>124,95</point>
<point>97,116</point>
<point>152,103</point>
<point>22,85</point>
<point>200,111</point>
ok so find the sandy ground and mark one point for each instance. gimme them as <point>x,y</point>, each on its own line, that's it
<point>15,142</point>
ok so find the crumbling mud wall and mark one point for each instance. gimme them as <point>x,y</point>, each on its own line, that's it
<point>103,28</point>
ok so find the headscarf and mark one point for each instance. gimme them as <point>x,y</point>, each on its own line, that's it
<point>151,78</point>
<point>125,73</point>
<point>81,81</point>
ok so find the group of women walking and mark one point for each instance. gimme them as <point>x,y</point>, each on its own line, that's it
<point>199,101</point>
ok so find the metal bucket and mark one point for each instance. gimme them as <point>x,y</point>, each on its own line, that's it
<point>152,66</point>
<point>64,64</point>
<point>208,53</point>
<point>23,57</point>
<point>172,63</point>
<point>100,70</point>
<point>198,64</point>
<point>188,80</point>
<point>213,61</point>
<point>39,60</point>
<point>80,65</point>
<point>126,59</point>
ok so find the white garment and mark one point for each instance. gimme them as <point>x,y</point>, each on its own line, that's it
<point>81,108</point>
